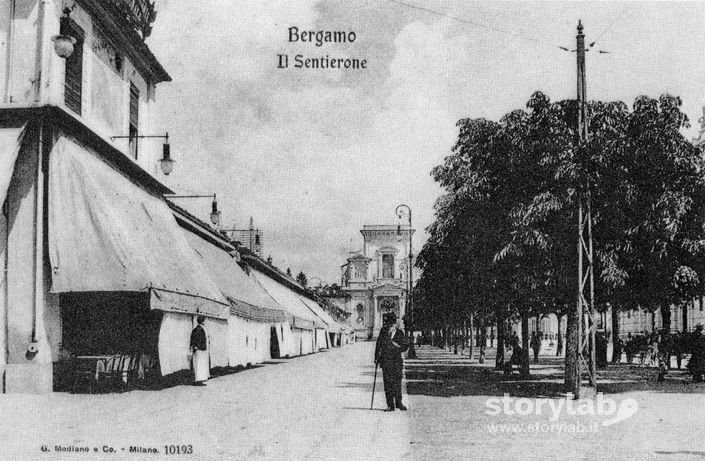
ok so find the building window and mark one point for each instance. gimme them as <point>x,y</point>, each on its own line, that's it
<point>73,80</point>
<point>388,266</point>
<point>134,119</point>
<point>360,268</point>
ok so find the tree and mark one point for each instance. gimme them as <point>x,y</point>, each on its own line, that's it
<point>301,278</point>
<point>504,240</point>
<point>663,208</point>
<point>288,272</point>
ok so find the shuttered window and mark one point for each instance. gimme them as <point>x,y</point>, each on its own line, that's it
<point>388,266</point>
<point>134,119</point>
<point>73,82</point>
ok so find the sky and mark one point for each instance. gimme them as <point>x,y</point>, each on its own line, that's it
<point>312,155</point>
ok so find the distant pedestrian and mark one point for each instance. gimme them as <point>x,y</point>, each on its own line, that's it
<point>680,347</point>
<point>696,365</point>
<point>536,345</point>
<point>199,347</point>
<point>601,349</point>
<point>617,352</point>
<point>515,359</point>
<point>391,342</point>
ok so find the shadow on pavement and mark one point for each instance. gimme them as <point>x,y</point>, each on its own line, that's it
<point>682,452</point>
<point>440,373</point>
<point>361,408</point>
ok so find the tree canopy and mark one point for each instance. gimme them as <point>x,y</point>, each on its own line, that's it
<point>302,279</point>
<point>504,239</point>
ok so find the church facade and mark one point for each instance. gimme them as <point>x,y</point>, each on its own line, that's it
<point>376,278</point>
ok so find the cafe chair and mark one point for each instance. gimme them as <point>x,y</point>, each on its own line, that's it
<point>85,376</point>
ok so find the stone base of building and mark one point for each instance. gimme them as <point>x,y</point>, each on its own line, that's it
<point>30,378</point>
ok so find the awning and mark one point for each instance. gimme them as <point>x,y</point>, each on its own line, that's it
<point>247,298</point>
<point>108,234</point>
<point>303,317</point>
<point>320,313</point>
<point>10,144</point>
<point>333,324</point>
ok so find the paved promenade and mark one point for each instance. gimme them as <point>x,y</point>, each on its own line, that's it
<point>450,396</point>
<point>313,407</point>
<point>317,407</point>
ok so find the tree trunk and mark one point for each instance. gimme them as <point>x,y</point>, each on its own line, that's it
<point>684,313</point>
<point>571,351</point>
<point>483,341</point>
<point>615,334</point>
<point>499,358</point>
<point>666,318</point>
<point>469,339</point>
<point>456,339</point>
<point>559,339</point>
<point>524,372</point>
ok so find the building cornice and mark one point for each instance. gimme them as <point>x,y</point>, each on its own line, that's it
<point>386,231</point>
<point>74,126</point>
<point>126,37</point>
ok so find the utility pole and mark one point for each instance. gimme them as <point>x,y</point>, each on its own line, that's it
<point>585,308</point>
<point>409,323</point>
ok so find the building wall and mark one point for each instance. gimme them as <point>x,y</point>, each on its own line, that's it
<point>24,309</point>
<point>32,75</point>
<point>105,92</point>
<point>18,49</point>
<point>367,284</point>
<point>378,244</point>
<point>639,321</point>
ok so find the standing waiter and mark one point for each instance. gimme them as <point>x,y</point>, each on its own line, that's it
<point>391,342</point>
<point>199,346</point>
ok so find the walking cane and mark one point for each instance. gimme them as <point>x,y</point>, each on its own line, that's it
<point>374,383</point>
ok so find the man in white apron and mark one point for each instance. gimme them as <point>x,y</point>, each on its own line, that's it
<point>199,346</point>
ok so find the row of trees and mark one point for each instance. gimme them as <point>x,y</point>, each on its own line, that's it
<point>504,241</point>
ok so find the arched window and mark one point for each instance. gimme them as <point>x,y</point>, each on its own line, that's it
<point>388,266</point>
<point>360,270</point>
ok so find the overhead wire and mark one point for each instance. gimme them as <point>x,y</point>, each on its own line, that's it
<point>507,32</point>
<point>478,24</point>
<point>599,36</point>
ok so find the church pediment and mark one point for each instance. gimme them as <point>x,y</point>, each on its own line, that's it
<point>387,250</point>
<point>359,257</point>
<point>388,287</point>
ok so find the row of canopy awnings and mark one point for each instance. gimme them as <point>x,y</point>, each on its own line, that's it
<point>108,234</point>
<point>246,298</point>
<point>333,325</point>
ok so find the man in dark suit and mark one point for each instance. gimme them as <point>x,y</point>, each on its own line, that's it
<point>391,342</point>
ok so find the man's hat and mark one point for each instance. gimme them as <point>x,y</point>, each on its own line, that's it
<point>389,317</point>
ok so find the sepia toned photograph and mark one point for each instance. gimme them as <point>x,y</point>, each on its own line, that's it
<point>359,230</point>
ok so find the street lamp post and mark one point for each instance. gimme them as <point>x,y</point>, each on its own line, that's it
<point>409,305</point>
<point>215,214</point>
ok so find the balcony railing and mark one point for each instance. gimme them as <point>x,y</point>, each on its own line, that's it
<point>137,14</point>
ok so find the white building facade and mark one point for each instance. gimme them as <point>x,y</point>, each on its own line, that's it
<point>377,277</point>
